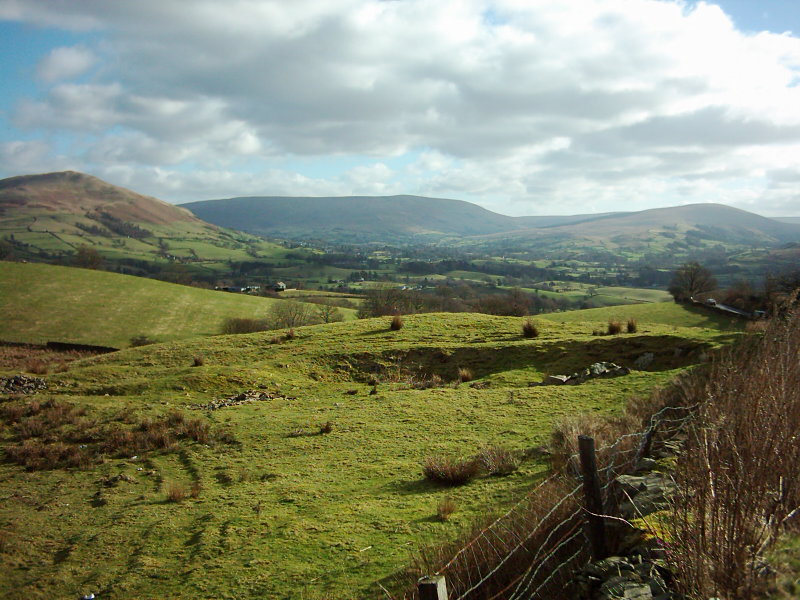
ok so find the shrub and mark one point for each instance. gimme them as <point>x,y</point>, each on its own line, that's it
<point>446,508</point>
<point>198,361</point>
<point>40,456</point>
<point>450,471</point>
<point>326,427</point>
<point>195,429</point>
<point>397,323</point>
<point>737,492</point>
<point>290,335</point>
<point>529,329</point>
<point>238,325</point>
<point>36,366</point>
<point>465,375</point>
<point>632,326</point>
<point>141,340</point>
<point>497,460</point>
<point>176,492</point>
<point>614,327</point>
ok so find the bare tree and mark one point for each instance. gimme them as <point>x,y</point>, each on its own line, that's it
<point>290,313</point>
<point>691,279</point>
<point>328,313</point>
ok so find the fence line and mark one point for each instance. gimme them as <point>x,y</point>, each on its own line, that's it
<point>519,547</point>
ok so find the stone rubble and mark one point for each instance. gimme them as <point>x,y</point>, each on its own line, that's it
<point>594,371</point>
<point>245,397</point>
<point>21,384</point>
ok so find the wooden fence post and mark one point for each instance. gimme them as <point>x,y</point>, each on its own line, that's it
<point>432,588</point>
<point>646,445</point>
<point>593,496</point>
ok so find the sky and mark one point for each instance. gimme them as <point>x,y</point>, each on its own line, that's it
<point>525,107</point>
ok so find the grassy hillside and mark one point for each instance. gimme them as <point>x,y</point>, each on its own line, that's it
<point>661,313</point>
<point>49,217</point>
<point>44,302</point>
<point>287,510</point>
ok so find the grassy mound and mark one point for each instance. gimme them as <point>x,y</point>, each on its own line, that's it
<point>317,487</point>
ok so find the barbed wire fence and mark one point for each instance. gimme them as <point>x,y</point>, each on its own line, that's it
<point>534,549</point>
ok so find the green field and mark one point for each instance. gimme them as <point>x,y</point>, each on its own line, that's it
<point>41,303</point>
<point>289,512</point>
<point>661,313</point>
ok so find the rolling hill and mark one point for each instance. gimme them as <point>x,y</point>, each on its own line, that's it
<point>49,217</point>
<point>353,218</point>
<point>415,218</point>
<point>41,303</point>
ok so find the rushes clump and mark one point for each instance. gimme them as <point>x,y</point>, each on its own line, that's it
<point>614,327</point>
<point>497,460</point>
<point>446,508</point>
<point>450,471</point>
<point>397,323</point>
<point>632,327</point>
<point>465,375</point>
<point>529,329</point>
<point>176,492</point>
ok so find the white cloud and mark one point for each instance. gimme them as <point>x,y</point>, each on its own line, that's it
<point>65,63</point>
<point>528,107</point>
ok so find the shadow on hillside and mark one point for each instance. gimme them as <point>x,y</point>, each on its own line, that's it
<point>547,356</point>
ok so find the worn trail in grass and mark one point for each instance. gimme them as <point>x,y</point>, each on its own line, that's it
<point>288,511</point>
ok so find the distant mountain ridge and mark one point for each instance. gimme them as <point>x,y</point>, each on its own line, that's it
<point>367,218</point>
<point>410,218</point>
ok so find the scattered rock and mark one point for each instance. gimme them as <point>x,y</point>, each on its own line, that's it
<point>646,493</point>
<point>242,398</point>
<point>114,480</point>
<point>555,380</point>
<point>593,371</point>
<point>21,384</point>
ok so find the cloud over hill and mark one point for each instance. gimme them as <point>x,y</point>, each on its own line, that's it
<point>546,107</point>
